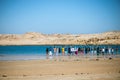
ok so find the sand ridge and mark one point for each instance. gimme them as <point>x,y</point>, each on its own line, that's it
<point>33,38</point>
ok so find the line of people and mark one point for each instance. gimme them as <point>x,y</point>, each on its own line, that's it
<point>81,51</point>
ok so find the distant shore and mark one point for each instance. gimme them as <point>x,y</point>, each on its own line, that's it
<point>54,44</point>
<point>33,38</point>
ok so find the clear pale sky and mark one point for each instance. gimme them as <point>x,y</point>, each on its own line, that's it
<point>59,16</point>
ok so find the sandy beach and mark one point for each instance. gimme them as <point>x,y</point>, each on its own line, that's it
<point>59,39</point>
<point>61,69</point>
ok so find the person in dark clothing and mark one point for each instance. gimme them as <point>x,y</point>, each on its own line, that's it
<point>59,51</point>
<point>79,50</point>
<point>85,50</point>
<point>106,51</point>
<point>47,51</point>
<point>69,51</point>
<point>98,51</point>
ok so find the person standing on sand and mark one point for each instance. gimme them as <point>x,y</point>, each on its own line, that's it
<point>72,50</point>
<point>106,51</point>
<point>85,50</point>
<point>98,52</point>
<point>76,52</point>
<point>50,52</point>
<point>109,51</point>
<point>103,51</point>
<point>47,51</point>
<point>95,50</point>
<point>116,50</point>
<point>82,52</point>
<point>55,50</point>
<point>59,50</point>
<point>88,50</point>
<point>63,51</point>
<point>69,51</point>
<point>66,51</point>
<point>113,52</point>
<point>79,49</point>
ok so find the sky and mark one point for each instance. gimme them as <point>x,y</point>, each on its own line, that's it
<point>59,16</point>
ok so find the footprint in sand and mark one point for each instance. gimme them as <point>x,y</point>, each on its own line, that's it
<point>119,71</point>
<point>62,74</point>
<point>76,73</point>
<point>4,75</point>
<point>40,74</point>
<point>24,75</point>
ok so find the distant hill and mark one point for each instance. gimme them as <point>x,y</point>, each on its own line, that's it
<point>33,38</point>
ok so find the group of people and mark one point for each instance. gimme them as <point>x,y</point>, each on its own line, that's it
<point>61,51</point>
<point>81,51</point>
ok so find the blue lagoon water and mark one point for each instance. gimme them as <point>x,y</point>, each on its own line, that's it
<point>35,52</point>
<point>22,52</point>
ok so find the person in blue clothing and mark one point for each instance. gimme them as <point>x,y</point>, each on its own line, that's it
<point>66,51</point>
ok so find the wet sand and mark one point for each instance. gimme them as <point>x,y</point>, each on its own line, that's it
<point>61,69</point>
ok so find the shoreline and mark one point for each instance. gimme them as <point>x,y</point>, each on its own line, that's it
<point>66,58</point>
<point>60,44</point>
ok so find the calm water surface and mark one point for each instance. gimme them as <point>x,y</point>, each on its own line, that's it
<point>35,52</point>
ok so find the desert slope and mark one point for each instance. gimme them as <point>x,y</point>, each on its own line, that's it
<point>33,38</point>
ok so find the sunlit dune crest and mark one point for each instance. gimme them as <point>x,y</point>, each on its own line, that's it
<point>33,38</point>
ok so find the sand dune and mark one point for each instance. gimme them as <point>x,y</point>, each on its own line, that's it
<point>32,38</point>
